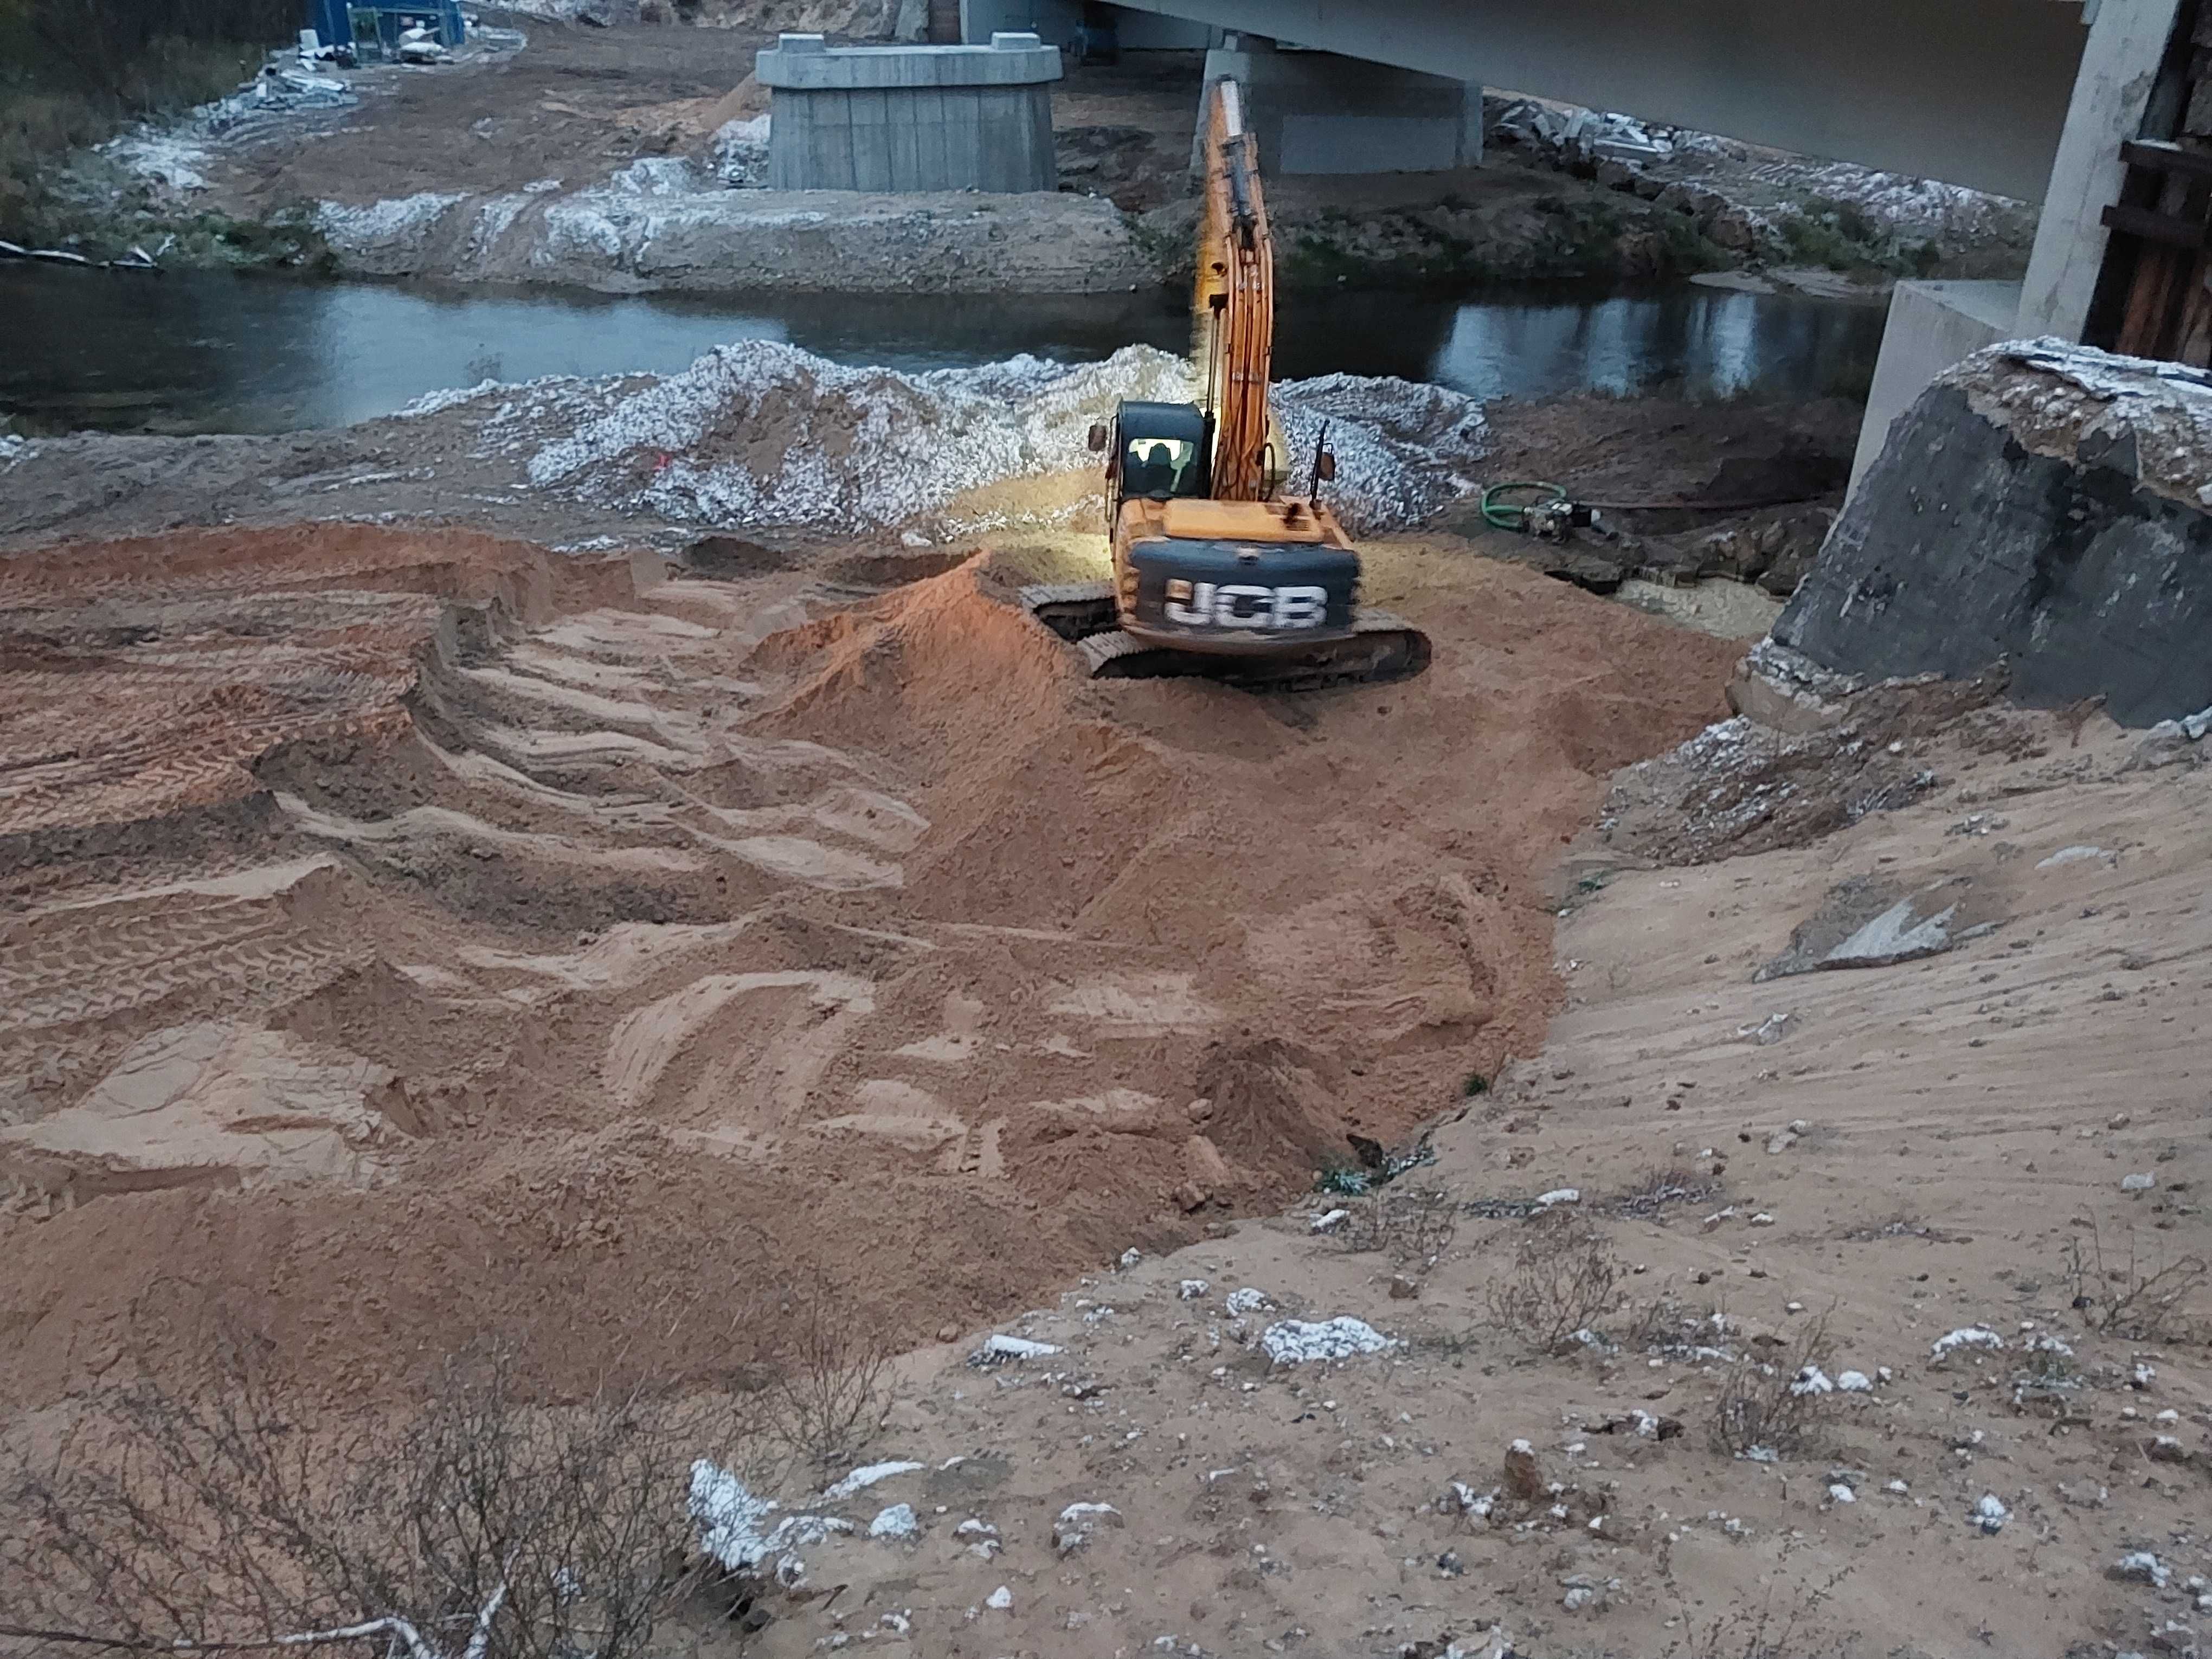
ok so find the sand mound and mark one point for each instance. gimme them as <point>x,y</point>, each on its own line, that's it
<point>655,950</point>
<point>760,433</point>
<point>1273,1107</point>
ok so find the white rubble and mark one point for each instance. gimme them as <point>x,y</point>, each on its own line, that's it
<point>1079,1521</point>
<point>895,1521</point>
<point>1966,1336</point>
<point>760,432</point>
<point>1296,1341</point>
<point>733,1524</point>
<point>1193,1290</point>
<point>1560,1195</point>
<point>861,1479</point>
<point>998,1349</point>
<point>1245,1301</point>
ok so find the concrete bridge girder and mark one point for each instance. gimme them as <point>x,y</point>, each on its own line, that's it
<point>1971,92</point>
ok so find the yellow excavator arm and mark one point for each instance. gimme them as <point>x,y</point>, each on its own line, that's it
<point>1233,308</point>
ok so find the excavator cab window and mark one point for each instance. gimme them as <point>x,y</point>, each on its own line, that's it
<point>1160,468</point>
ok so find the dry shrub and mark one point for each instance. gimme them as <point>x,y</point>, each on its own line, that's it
<point>1564,1278</point>
<point>2122,1293</point>
<point>1774,1404</point>
<point>484,1526</point>
<point>1413,1226</point>
<point>828,1372</point>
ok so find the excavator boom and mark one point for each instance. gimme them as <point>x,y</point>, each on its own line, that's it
<point>1233,309</point>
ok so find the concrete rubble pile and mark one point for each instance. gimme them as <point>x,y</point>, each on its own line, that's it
<point>762,432</point>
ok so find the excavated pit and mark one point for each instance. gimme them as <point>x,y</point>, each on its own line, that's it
<point>434,937</point>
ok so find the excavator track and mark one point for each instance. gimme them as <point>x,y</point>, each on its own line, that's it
<point>1384,648</point>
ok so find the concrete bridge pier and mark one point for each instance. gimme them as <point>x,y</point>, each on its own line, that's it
<point>1314,112</point>
<point>910,118</point>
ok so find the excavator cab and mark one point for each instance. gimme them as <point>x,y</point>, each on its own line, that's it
<point>1155,452</point>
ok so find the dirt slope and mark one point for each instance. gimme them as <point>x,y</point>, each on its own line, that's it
<point>524,950</point>
<point>1924,1150</point>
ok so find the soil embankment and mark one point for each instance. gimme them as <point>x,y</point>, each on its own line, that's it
<point>436,937</point>
<point>1915,1205</point>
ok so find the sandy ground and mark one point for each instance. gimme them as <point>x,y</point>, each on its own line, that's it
<point>426,932</point>
<point>1925,1150</point>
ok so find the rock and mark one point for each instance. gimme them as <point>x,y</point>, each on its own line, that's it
<point>1404,1289</point>
<point>997,1349</point>
<point>1329,1221</point>
<point>897,1523</point>
<point>1296,1341</point>
<point>1192,1289</point>
<point>2138,1183</point>
<point>948,1332</point>
<point>2140,1566</point>
<point>2164,1449</point>
<point>1246,1301</point>
<point>1001,1600</point>
<point>1560,1195</point>
<point>2039,503</point>
<point>1524,1476</point>
<point>1079,1521</point>
<point>1990,1514</point>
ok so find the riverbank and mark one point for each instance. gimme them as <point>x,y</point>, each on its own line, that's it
<point>623,158</point>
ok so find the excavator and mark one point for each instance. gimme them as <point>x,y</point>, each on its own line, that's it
<point>1215,570</point>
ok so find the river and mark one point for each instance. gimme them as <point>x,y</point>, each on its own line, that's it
<point>210,351</point>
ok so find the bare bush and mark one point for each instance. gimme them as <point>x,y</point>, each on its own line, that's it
<point>1564,1278</point>
<point>1773,1404</point>
<point>483,1527</point>
<point>2122,1293</point>
<point>1413,1226</point>
<point>829,1372</point>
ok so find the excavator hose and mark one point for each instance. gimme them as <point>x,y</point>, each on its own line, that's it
<point>1502,514</point>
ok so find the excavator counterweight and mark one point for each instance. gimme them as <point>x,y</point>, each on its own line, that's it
<point>1217,572</point>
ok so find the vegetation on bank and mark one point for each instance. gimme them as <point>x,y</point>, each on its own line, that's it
<point>75,72</point>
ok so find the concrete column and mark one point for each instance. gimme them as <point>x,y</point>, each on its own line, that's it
<point>1314,112</point>
<point>1931,327</point>
<point>2126,42</point>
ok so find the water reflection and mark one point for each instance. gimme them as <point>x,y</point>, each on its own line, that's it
<point>210,351</point>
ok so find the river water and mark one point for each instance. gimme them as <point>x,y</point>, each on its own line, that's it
<point>201,351</point>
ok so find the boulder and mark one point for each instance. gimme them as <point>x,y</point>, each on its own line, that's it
<point>2041,504</point>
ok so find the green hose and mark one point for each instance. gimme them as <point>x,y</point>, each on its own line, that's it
<point>1501,514</point>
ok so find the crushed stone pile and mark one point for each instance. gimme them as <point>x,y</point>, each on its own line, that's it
<point>762,432</point>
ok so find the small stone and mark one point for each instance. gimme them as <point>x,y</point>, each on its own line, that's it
<point>1990,1514</point>
<point>1841,1493</point>
<point>2137,1183</point>
<point>896,1522</point>
<point>948,1332</point>
<point>1001,1600</point>
<point>1404,1289</point>
<point>1450,1565</point>
<point>1192,1289</point>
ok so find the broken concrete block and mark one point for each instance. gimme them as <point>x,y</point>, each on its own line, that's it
<point>2042,504</point>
